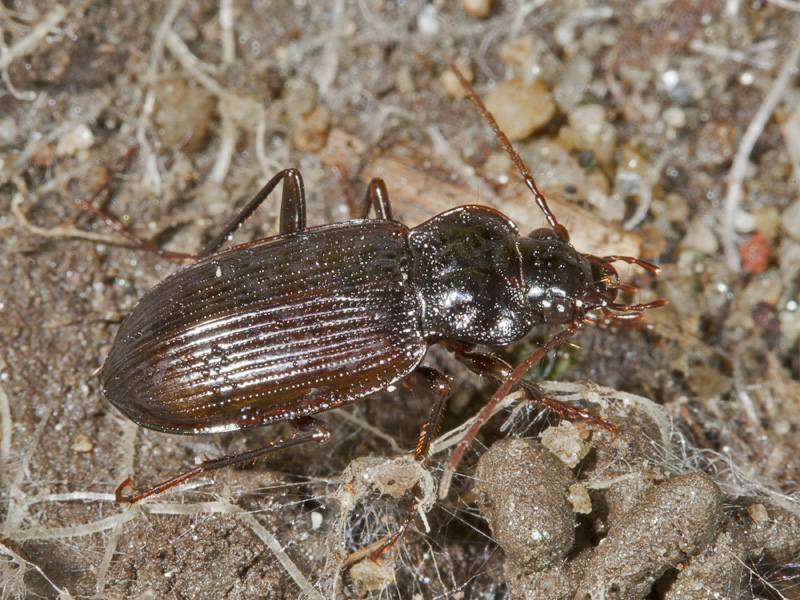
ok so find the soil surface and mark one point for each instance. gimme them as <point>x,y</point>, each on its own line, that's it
<point>665,131</point>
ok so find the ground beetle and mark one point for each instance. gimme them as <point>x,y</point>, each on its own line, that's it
<point>314,318</point>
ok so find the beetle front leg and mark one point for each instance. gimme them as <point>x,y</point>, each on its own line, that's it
<point>437,386</point>
<point>307,429</point>
<point>496,368</point>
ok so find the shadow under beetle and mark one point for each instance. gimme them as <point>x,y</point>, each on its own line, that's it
<point>314,318</point>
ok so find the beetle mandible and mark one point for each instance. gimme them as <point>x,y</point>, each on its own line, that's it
<point>283,328</point>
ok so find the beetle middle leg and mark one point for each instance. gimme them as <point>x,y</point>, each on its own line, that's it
<point>293,209</point>
<point>293,216</point>
<point>378,197</point>
<point>307,429</point>
<point>437,386</point>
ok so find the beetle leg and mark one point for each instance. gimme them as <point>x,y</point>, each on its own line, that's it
<point>508,383</point>
<point>293,208</point>
<point>293,203</point>
<point>377,197</point>
<point>487,365</point>
<point>116,225</point>
<point>308,429</point>
<point>436,385</point>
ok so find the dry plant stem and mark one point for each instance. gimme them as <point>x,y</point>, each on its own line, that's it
<point>28,43</point>
<point>59,231</point>
<point>737,173</point>
<point>6,428</point>
<point>227,33</point>
<point>787,4</point>
<point>749,57</point>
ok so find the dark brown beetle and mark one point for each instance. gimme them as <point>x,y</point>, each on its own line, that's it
<point>286,327</point>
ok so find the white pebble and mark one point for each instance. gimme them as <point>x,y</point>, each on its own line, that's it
<point>77,138</point>
<point>428,20</point>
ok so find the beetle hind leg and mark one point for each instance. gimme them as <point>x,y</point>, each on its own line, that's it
<point>307,429</point>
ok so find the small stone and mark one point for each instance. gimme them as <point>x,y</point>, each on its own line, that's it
<point>707,382</point>
<point>428,20</point>
<point>44,156</point>
<point>521,109</point>
<point>715,144</point>
<point>450,81</point>
<point>182,115</point>
<point>758,513</point>
<point>299,98</point>
<point>579,497</point>
<point>588,129</point>
<point>573,82</point>
<point>566,443</point>
<point>313,133</point>
<point>8,130</point>
<point>674,117</point>
<point>79,137</point>
<point>372,575</point>
<point>476,8</point>
<point>514,52</point>
<point>791,217</point>
<point>701,238</point>
<point>82,444</point>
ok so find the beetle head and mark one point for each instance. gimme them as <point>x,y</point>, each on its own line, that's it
<point>562,283</point>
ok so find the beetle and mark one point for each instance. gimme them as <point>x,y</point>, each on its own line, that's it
<point>286,327</point>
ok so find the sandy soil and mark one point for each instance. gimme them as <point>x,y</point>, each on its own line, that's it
<point>667,131</point>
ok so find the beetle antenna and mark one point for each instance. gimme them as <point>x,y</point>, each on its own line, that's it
<point>560,230</point>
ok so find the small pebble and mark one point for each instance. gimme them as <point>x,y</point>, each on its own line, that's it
<point>588,129</point>
<point>715,144</point>
<point>182,115</point>
<point>758,513</point>
<point>313,132</point>
<point>372,575</point>
<point>579,497</point>
<point>79,137</point>
<point>674,117</point>
<point>476,8</point>
<point>791,217</point>
<point>565,442</point>
<point>450,82</point>
<point>82,444</point>
<point>521,109</point>
<point>573,82</point>
<point>428,20</point>
<point>514,52</point>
